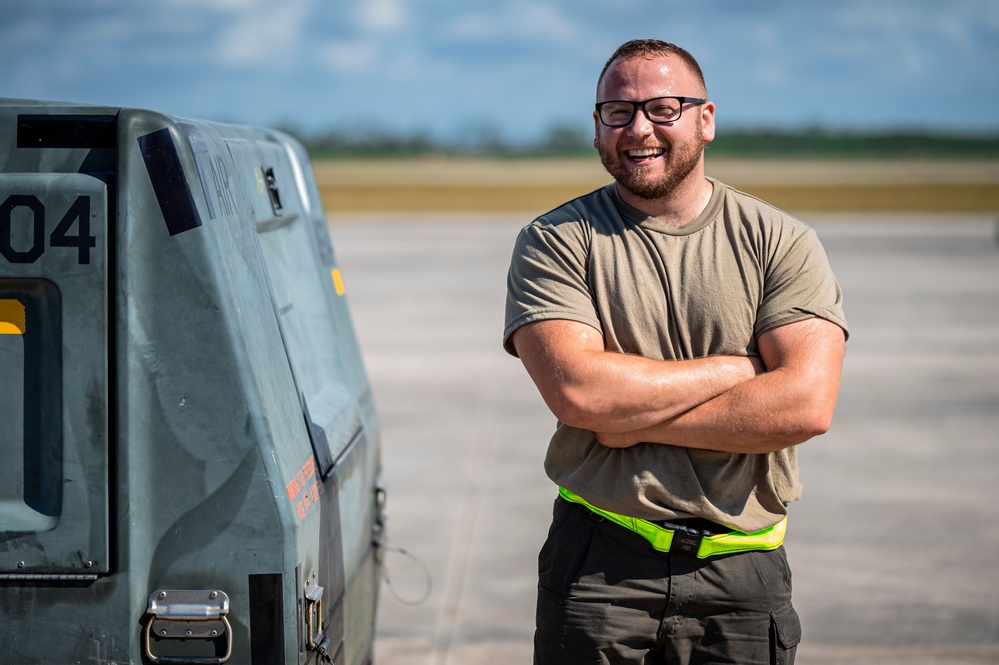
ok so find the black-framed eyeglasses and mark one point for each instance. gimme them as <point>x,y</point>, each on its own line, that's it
<point>619,113</point>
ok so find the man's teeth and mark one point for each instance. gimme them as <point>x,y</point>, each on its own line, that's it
<point>645,152</point>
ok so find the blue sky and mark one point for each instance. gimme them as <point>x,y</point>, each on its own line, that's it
<point>514,67</point>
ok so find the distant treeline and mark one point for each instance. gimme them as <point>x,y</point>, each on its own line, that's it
<point>563,141</point>
<point>824,143</point>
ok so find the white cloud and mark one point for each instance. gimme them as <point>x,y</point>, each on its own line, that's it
<point>904,37</point>
<point>515,19</point>
<point>349,57</point>
<point>267,37</point>
<point>227,6</point>
<point>957,23</point>
<point>373,37</point>
<point>771,63</point>
<point>473,26</point>
<point>442,53</point>
<point>381,17</point>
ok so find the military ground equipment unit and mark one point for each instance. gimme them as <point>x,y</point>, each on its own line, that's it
<point>189,450</point>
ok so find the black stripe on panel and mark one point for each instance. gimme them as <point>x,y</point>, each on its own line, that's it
<point>332,575</point>
<point>66,131</point>
<point>169,182</point>
<point>266,619</point>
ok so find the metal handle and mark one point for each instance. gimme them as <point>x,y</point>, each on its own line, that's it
<point>187,660</point>
<point>188,614</point>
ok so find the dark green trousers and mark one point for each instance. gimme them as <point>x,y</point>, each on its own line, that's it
<point>606,597</point>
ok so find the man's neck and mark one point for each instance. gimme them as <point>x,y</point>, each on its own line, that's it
<point>681,207</point>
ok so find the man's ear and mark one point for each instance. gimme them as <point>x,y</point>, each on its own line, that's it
<point>708,121</point>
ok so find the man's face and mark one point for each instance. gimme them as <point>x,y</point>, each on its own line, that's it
<point>648,159</point>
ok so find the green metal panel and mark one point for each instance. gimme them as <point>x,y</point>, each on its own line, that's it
<point>55,476</point>
<point>218,445</point>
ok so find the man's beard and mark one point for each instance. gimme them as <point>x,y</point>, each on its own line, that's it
<point>679,160</point>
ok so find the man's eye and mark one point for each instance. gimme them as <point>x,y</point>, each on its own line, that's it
<point>661,110</point>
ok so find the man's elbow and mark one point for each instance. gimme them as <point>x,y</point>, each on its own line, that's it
<point>812,421</point>
<point>576,408</point>
<point>821,422</point>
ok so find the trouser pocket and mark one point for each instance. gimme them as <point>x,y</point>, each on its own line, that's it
<point>785,634</point>
<point>564,553</point>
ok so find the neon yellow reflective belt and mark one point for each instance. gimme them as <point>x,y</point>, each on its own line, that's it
<point>661,538</point>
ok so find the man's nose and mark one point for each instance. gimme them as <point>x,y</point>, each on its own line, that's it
<point>640,123</point>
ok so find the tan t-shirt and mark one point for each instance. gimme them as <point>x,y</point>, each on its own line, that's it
<point>708,288</point>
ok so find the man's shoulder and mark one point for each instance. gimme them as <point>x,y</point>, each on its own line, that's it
<point>748,208</point>
<point>591,208</point>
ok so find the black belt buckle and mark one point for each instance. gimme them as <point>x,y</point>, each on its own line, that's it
<point>686,541</point>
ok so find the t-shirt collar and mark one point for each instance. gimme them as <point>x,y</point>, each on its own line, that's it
<point>634,216</point>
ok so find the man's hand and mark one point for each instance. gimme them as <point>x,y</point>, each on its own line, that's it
<point>619,439</point>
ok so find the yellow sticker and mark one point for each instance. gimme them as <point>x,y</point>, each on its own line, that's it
<point>11,317</point>
<point>261,182</point>
<point>337,281</point>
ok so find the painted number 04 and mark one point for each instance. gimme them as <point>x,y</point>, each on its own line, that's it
<point>73,230</point>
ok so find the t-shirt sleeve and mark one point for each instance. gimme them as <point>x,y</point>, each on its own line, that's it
<point>799,283</point>
<point>547,278</point>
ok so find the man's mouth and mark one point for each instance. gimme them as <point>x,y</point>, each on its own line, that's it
<point>644,154</point>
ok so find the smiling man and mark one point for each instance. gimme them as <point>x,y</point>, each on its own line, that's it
<point>687,337</point>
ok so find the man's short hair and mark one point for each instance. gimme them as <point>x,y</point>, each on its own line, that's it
<point>650,48</point>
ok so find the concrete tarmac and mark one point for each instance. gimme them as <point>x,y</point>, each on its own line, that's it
<point>893,545</point>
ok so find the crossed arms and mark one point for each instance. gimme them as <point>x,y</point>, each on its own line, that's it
<point>727,403</point>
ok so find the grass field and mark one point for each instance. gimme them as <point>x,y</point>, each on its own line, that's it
<point>536,185</point>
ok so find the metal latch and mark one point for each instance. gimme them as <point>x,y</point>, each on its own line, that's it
<point>272,190</point>
<point>381,517</point>
<point>191,615</point>
<point>313,612</point>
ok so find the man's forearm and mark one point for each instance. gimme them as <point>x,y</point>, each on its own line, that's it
<point>786,406</point>
<point>749,418</point>
<point>588,387</point>
<point>616,392</point>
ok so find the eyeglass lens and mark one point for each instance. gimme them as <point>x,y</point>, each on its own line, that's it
<point>662,109</point>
